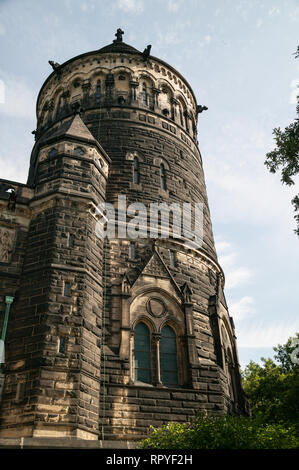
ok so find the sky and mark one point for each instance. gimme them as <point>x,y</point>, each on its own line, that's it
<point>238,56</point>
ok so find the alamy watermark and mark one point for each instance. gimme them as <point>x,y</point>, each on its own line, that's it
<point>157,220</point>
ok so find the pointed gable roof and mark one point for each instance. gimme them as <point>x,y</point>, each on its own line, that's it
<point>71,128</point>
<point>154,266</point>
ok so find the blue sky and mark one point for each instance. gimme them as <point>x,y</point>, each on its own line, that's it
<point>238,57</point>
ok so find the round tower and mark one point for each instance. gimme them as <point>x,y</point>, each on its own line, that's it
<point>154,308</point>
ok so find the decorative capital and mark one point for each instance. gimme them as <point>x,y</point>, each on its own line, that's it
<point>156,337</point>
<point>9,300</point>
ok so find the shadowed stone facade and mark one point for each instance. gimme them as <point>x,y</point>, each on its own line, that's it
<point>106,122</point>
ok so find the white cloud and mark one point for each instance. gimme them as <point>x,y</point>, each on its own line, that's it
<point>259,23</point>
<point>260,335</point>
<point>2,30</point>
<point>274,11</point>
<point>19,98</point>
<point>14,169</point>
<point>2,92</point>
<point>234,275</point>
<point>87,6</point>
<point>237,277</point>
<point>174,5</point>
<point>239,185</point>
<point>131,6</point>
<point>242,308</point>
<point>169,38</point>
<point>221,245</point>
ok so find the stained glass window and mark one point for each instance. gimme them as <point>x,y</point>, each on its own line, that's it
<point>142,353</point>
<point>169,368</point>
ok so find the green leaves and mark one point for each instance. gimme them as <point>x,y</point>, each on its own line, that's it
<point>272,388</point>
<point>230,432</point>
<point>285,156</point>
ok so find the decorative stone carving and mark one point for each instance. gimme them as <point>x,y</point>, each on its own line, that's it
<point>156,307</point>
<point>7,237</point>
<point>187,293</point>
<point>155,268</point>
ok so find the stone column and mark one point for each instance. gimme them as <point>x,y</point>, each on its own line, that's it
<point>157,342</point>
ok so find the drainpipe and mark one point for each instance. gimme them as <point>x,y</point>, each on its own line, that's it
<point>8,300</point>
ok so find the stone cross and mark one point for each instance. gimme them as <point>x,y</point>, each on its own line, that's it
<point>119,35</point>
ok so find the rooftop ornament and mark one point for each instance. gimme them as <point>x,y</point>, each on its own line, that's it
<point>119,35</point>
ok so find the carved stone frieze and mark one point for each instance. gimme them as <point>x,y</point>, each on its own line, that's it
<point>7,238</point>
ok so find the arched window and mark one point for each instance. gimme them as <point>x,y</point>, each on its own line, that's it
<point>144,93</point>
<point>142,353</point>
<point>162,176</point>
<point>181,118</point>
<point>98,91</point>
<point>169,367</point>
<point>132,250</point>
<point>60,104</point>
<point>136,175</point>
<point>172,258</point>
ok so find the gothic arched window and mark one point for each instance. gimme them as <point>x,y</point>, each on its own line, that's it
<point>142,353</point>
<point>136,175</point>
<point>98,91</point>
<point>144,93</point>
<point>162,176</point>
<point>169,367</point>
<point>59,105</point>
<point>181,118</point>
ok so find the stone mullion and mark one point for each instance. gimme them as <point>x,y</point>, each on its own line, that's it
<point>156,339</point>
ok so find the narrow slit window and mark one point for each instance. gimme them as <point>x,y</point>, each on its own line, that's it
<point>136,175</point>
<point>132,252</point>
<point>61,344</point>
<point>162,176</point>
<point>181,118</point>
<point>144,94</point>
<point>98,91</point>
<point>21,391</point>
<point>71,241</point>
<point>172,258</point>
<point>67,289</point>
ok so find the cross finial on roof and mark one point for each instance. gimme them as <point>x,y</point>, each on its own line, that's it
<point>119,35</point>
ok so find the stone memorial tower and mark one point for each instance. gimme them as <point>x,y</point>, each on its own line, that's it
<point>106,336</point>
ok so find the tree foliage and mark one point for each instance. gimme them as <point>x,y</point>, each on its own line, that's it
<point>272,388</point>
<point>285,156</point>
<point>229,432</point>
